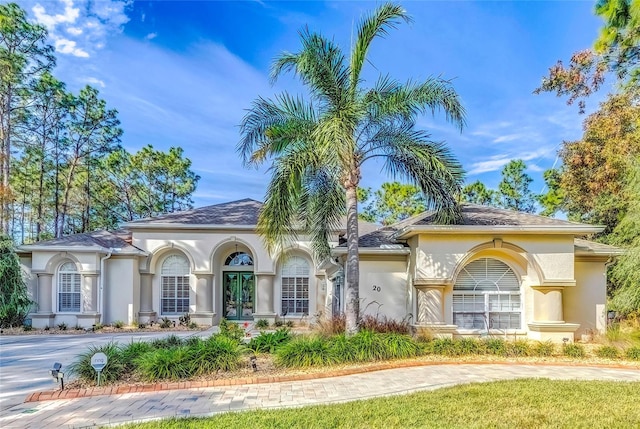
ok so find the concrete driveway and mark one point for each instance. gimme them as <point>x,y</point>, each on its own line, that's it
<point>25,360</point>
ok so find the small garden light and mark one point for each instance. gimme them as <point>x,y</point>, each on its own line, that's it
<point>57,374</point>
<point>254,364</point>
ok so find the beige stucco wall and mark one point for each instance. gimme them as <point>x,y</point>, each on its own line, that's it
<point>586,302</point>
<point>121,290</point>
<point>383,286</point>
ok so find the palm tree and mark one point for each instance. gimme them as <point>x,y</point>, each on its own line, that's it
<point>318,147</point>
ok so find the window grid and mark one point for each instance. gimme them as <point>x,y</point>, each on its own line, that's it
<point>69,290</point>
<point>487,296</point>
<point>295,286</point>
<point>175,285</point>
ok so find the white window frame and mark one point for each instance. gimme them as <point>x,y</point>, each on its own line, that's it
<point>298,285</point>
<point>69,285</point>
<point>484,307</point>
<point>175,288</point>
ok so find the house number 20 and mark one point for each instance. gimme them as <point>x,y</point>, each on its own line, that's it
<point>376,288</point>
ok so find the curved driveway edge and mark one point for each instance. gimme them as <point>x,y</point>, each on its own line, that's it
<point>120,408</point>
<point>157,387</point>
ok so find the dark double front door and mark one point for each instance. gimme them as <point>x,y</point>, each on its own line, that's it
<point>238,295</point>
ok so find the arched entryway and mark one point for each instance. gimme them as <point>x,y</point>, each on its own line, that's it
<point>238,286</point>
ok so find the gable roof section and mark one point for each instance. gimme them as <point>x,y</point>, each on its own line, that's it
<point>477,218</point>
<point>118,241</point>
<point>236,213</point>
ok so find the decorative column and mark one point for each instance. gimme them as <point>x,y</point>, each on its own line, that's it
<point>146,313</point>
<point>430,306</point>
<point>204,300</point>
<point>89,315</point>
<point>44,317</point>
<point>548,317</point>
<point>264,306</point>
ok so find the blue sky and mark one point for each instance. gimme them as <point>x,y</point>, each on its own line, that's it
<point>182,73</point>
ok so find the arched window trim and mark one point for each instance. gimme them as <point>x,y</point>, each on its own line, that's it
<point>69,287</point>
<point>174,285</point>
<point>486,296</point>
<point>294,285</point>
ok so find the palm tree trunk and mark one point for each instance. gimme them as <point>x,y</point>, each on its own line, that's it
<point>352,286</point>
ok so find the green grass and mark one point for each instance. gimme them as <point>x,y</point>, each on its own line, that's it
<point>530,403</point>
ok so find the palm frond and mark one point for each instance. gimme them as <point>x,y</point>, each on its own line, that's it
<point>411,156</point>
<point>378,23</point>
<point>409,100</point>
<point>270,126</point>
<point>320,65</point>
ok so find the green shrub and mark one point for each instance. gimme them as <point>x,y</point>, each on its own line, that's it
<point>185,320</point>
<point>633,353</point>
<point>113,371</point>
<point>217,353</point>
<point>118,324</point>
<point>519,348</point>
<point>98,326</point>
<point>495,346</point>
<point>278,323</point>
<point>15,303</point>
<point>166,364</point>
<point>399,346</point>
<point>231,330</point>
<point>342,348</point>
<point>544,348</point>
<point>192,341</point>
<point>192,325</point>
<point>304,352</point>
<point>367,346</point>
<point>131,353</point>
<point>262,324</point>
<point>166,323</point>
<point>62,326</point>
<point>573,350</point>
<point>268,342</point>
<point>468,346</point>
<point>169,342</point>
<point>289,324</point>
<point>441,346</point>
<point>608,352</point>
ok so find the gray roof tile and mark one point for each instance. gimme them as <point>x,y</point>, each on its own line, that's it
<point>241,212</point>
<point>119,239</point>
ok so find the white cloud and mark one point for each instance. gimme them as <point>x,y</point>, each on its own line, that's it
<point>80,27</point>
<point>496,162</point>
<point>509,138</point>
<point>94,81</point>
<point>66,46</point>
<point>151,36</point>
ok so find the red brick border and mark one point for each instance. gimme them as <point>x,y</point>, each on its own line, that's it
<point>49,395</point>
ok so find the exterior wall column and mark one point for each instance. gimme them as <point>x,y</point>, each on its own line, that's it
<point>548,318</point>
<point>44,317</point>
<point>547,304</point>
<point>265,298</point>
<point>431,304</point>
<point>89,311</point>
<point>89,293</point>
<point>204,313</point>
<point>430,307</point>
<point>146,313</point>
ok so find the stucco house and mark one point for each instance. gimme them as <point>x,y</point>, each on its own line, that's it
<point>498,272</point>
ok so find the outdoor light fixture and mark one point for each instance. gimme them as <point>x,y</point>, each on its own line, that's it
<point>254,364</point>
<point>57,374</point>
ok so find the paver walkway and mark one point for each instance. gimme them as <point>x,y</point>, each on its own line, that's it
<point>105,410</point>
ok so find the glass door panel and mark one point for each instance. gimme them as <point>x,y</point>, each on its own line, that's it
<point>238,295</point>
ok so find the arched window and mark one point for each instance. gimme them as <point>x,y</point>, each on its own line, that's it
<point>295,286</point>
<point>239,259</point>
<point>69,293</point>
<point>486,295</point>
<point>175,285</point>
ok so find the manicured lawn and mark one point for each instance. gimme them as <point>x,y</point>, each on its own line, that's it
<point>532,403</point>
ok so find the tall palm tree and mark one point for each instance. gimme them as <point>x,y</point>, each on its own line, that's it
<point>318,146</point>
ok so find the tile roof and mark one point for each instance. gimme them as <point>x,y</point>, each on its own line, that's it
<point>586,246</point>
<point>473,214</point>
<point>119,239</point>
<point>241,212</point>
